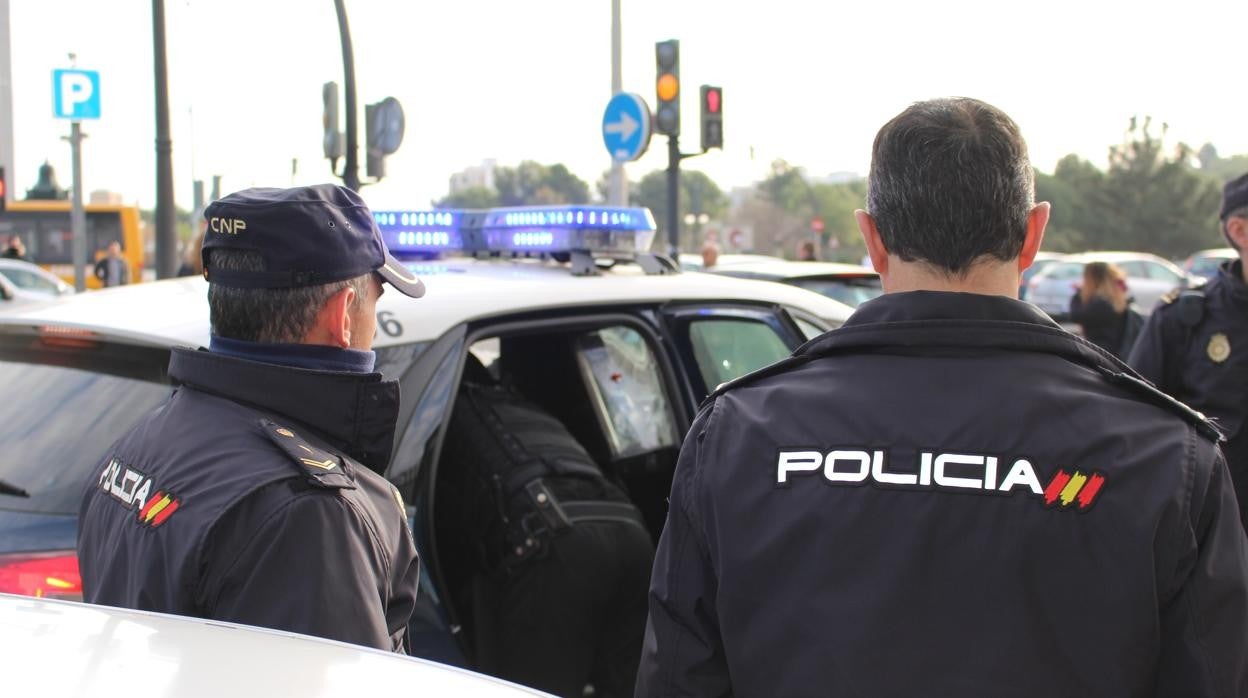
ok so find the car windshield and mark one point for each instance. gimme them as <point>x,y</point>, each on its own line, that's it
<point>57,424</point>
<point>850,291</point>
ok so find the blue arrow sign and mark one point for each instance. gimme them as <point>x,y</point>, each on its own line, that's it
<point>626,127</point>
<point>76,94</point>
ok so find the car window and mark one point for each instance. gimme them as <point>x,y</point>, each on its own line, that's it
<point>57,424</point>
<point>1160,273</point>
<point>1063,272</point>
<point>809,329</point>
<point>1135,269</point>
<point>626,390</point>
<point>729,347</point>
<point>850,291</point>
<point>23,278</point>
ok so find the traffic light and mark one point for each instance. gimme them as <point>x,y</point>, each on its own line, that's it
<point>712,117</point>
<point>4,191</point>
<point>332,140</point>
<point>667,87</point>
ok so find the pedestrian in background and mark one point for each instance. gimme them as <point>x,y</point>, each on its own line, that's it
<point>254,494</point>
<point>15,249</point>
<point>710,254</point>
<point>950,495</point>
<point>1103,309</point>
<point>1195,345</point>
<point>112,269</point>
<point>806,251</point>
<point>192,258</point>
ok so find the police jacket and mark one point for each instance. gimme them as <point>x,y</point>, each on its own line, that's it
<point>251,496</point>
<point>1195,347</point>
<point>949,496</point>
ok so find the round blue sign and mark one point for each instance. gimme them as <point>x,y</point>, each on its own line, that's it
<point>626,127</point>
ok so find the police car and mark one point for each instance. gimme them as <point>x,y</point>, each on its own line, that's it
<point>119,652</point>
<point>563,301</point>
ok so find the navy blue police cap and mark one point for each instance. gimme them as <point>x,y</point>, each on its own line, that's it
<point>308,236</point>
<point>1234,196</point>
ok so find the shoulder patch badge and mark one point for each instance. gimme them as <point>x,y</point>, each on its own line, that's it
<point>133,490</point>
<point>322,468</point>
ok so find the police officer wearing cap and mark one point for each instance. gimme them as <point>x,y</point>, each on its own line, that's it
<point>254,494</point>
<point>1195,345</point>
<point>950,495</point>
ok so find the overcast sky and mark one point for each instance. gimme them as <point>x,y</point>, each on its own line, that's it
<point>806,81</point>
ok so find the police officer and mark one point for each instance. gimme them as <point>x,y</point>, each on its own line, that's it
<point>254,494</point>
<point>1195,345</point>
<point>950,495</point>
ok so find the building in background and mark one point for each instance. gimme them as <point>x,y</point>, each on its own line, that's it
<point>479,177</point>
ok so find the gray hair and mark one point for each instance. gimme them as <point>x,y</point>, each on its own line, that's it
<point>951,183</point>
<point>270,315</point>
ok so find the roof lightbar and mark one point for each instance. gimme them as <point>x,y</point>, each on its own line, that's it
<point>524,229</point>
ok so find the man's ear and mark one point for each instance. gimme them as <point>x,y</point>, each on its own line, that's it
<point>875,244</point>
<point>333,322</point>
<point>1037,220</point>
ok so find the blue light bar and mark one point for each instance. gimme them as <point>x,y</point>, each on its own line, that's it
<point>420,232</point>
<point>519,230</point>
<point>566,228</point>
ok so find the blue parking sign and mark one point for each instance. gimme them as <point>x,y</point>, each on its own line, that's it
<point>76,94</point>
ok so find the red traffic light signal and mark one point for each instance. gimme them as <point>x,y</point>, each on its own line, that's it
<point>712,117</point>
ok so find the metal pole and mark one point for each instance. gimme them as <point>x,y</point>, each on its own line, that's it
<point>617,193</point>
<point>7,158</point>
<point>350,170</point>
<point>166,212</point>
<point>77,214</point>
<point>673,197</point>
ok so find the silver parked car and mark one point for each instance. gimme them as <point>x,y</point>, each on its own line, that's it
<point>1149,277</point>
<point>23,283</point>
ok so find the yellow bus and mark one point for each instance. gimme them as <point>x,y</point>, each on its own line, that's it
<point>45,229</point>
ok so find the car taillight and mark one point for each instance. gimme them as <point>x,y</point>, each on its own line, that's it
<point>52,574</point>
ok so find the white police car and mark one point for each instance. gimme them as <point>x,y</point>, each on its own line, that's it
<point>70,649</point>
<point>614,342</point>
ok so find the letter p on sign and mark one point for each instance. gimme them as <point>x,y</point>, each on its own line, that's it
<point>76,94</point>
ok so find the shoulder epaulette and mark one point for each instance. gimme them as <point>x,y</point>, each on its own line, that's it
<point>320,467</point>
<point>1146,390</point>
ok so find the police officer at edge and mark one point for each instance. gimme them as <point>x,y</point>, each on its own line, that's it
<point>254,494</point>
<point>1195,345</point>
<point>950,495</point>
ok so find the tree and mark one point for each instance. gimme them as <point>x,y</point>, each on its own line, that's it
<point>1153,201</point>
<point>698,194</point>
<point>531,183</point>
<point>787,189</point>
<point>474,197</point>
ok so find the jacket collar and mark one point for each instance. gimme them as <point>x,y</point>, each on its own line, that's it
<point>945,319</point>
<point>355,412</point>
<point>926,306</point>
<point>1231,278</point>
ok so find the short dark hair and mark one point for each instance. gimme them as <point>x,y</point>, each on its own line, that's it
<point>270,315</point>
<point>951,183</point>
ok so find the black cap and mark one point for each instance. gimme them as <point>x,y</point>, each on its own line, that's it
<point>308,236</point>
<point>1234,196</point>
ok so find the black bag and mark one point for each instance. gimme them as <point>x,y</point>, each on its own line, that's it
<point>511,475</point>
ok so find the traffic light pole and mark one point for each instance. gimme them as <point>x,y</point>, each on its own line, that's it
<point>351,168</point>
<point>673,197</point>
<point>674,156</point>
